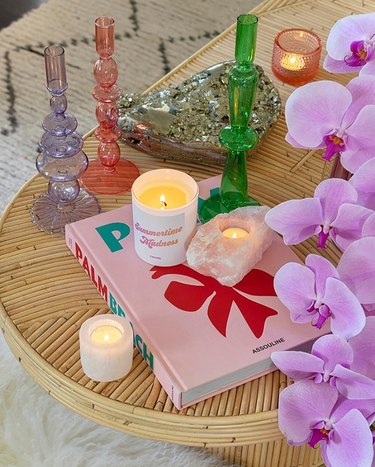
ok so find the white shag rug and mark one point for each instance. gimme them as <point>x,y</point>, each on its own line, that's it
<point>37,431</point>
<point>153,36</point>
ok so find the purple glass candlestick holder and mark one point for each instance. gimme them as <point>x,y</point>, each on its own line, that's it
<point>61,159</point>
<point>108,175</point>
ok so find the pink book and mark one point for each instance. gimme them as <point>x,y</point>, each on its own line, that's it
<point>199,337</point>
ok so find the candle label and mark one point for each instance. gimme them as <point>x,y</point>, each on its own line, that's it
<point>159,239</point>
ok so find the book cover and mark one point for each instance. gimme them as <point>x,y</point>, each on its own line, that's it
<point>198,336</point>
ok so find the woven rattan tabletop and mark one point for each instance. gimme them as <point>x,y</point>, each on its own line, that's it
<point>46,296</point>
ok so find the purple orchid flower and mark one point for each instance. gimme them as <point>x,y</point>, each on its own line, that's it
<point>313,413</point>
<point>363,346</point>
<point>356,269</point>
<point>330,362</point>
<point>331,213</point>
<point>314,293</point>
<point>363,182</point>
<point>350,45</point>
<point>326,114</point>
<point>368,229</point>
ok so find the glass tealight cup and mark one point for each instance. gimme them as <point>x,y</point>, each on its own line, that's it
<point>296,56</point>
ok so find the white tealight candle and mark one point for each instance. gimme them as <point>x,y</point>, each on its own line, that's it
<point>106,347</point>
<point>235,232</point>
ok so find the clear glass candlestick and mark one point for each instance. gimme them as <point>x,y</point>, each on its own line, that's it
<point>108,174</point>
<point>238,138</point>
<point>61,159</point>
<point>296,55</point>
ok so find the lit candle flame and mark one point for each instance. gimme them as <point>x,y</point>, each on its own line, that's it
<point>234,235</point>
<point>106,337</point>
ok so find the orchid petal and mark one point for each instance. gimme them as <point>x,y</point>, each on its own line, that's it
<point>360,143</point>
<point>363,345</point>
<point>352,442</point>
<point>296,219</point>
<point>303,405</point>
<point>333,350</point>
<point>348,317</point>
<point>368,69</point>
<point>315,110</point>
<point>297,365</point>
<point>357,269</point>
<point>322,268</point>
<point>289,139</point>
<point>344,405</point>
<point>348,225</point>
<point>339,66</point>
<point>362,90</point>
<point>369,309</point>
<point>294,285</point>
<point>353,385</point>
<point>332,193</point>
<point>363,182</point>
<point>368,229</point>
<point>347,30</point>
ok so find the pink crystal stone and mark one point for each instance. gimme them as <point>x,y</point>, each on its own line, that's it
<point>226,259</point>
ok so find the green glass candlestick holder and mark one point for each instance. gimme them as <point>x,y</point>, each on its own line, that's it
<point>238,138</point>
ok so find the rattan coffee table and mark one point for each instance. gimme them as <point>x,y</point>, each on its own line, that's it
<point>46,295</point>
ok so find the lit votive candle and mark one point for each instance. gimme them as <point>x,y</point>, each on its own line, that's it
<point>106,347</point>
<point>296,55</point>
<point>165,205</point>
<point>235,232</point>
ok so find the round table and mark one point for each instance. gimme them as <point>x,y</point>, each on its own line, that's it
<point>46,296</point>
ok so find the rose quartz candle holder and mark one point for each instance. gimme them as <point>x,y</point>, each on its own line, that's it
<point>228,258</point>
<point>296,56</point>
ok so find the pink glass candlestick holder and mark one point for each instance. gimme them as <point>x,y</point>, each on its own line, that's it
<point>108,175</point>
<point>296,55</point>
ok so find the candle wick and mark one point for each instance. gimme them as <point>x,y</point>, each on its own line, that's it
<point>164,203</point>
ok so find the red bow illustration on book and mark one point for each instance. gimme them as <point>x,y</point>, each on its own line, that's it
<point>188,297</point>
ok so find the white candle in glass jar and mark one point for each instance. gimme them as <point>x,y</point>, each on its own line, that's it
<point>165,203</point>
<point>106,347</point>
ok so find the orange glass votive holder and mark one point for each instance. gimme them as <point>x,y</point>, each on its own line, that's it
<point>296,56</point>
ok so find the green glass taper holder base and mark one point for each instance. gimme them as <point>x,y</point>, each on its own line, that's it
<point>214,205</point>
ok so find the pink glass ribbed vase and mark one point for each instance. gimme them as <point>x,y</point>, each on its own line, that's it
<point>108,174</point>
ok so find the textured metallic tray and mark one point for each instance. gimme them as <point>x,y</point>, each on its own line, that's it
<point>184,122</point>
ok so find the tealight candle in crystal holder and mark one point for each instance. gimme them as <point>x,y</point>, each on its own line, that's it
<point>296,55</point>
<point>228,246</point>
<point>106,347</point>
